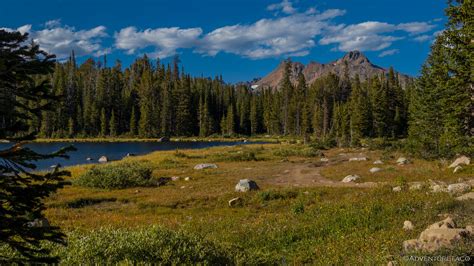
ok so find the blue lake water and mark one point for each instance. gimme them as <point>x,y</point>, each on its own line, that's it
<point>112,150</point>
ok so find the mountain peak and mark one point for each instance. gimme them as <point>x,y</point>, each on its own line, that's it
<point>356,57</point>
<point>354,63</point>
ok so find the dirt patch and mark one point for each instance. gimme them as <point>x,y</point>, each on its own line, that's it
<point>308,174</point>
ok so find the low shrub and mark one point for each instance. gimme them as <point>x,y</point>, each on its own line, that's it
<point>302,151</point>
<point>84,202</point>
<point>154,245</point>
<point>240,156</point>
<point>118,175</point>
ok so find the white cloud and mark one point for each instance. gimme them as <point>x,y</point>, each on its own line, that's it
<point>165,41</point>
<point>23,29</point>
<point>371,35</point>
<point>290,35</point>
<point>61,40</point>
<point>415,27</point>
<point>285,6</point>
<point>53,23</point>
<point>423,38</point>
<point>389,52</point>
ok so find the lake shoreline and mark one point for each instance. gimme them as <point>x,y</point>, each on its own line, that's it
<point>184,139</point>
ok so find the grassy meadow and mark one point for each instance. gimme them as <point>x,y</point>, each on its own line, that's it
<point>302,213</point>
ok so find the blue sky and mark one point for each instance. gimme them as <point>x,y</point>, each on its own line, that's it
<point>238,39</point>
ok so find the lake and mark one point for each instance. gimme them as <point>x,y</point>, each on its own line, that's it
<point>114,150</point>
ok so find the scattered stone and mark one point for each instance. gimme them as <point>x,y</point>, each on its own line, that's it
<point>88,159</point>
<point>470,229</point>
<point>306,192</point>
<point>103,159</point>
<point>397,189</point>
<point>444,224</point>
<point>459,188</point>
<point>324,160</point>
<point>39,223</point>
<point>205,166</point>
<point>457,169</point>
<point>402,161</point>
<point>378,162</point>
<point>408,225</point>
<point>182,187</point>
<point>356,159</point>
<point>461,160</point>
<point>439,235</point>
<point>468,196</point>
<point>246,185</point>
<point>235,202</point>
<point>187,178</point>
<point>437,188</point>
<point>415,186</point>
<point>374,170</point>
<point>175,178</point>
<point>286,171</point>
<point>137,191</point>
<point>164,139</point>
<point>350,178</point>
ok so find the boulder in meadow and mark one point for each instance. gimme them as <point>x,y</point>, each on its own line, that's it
<point>246,185</point>
<point>205,166</point>
<point>463,160</point>
<point>350,178</point>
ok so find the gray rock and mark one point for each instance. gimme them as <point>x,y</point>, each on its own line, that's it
<point>402,161</point>
<point>463,160</point>
<point>467,196</point>
<point>103,159</point>
<point>378,162</point>
<point>350,178</point>
<point>357,159</point>
<point>374,170</point>
<point>205,166</point>
<point>164,139</point>
<point>39,223</point>
<point>175,178</point>
<point>88,159</point>
<point>187,178</point>
<point>457,169</point>
<point>397,189</point>
<point>444,224</point>
<point>437,236</point>
<point>437,188</point>
<point>246,185</point>
<point>408,225</point>
<point>459,188</point>
<point>415,186</point>
<point>235,202</point>
<point>325,160</point>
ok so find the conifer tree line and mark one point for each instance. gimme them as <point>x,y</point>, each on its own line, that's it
<point>149,99</point>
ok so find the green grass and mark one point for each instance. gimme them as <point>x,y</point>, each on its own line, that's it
<point>118,175</point>
<point>276,225</point>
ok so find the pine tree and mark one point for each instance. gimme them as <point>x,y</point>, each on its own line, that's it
<point>113,125</point>
<point>287,89</point>
<point>103,123</point>
<point>359,116</point>
<point>23,192</point>
<point>133,122</point>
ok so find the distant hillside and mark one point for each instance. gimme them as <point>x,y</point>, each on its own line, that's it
<point>356,61</point>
